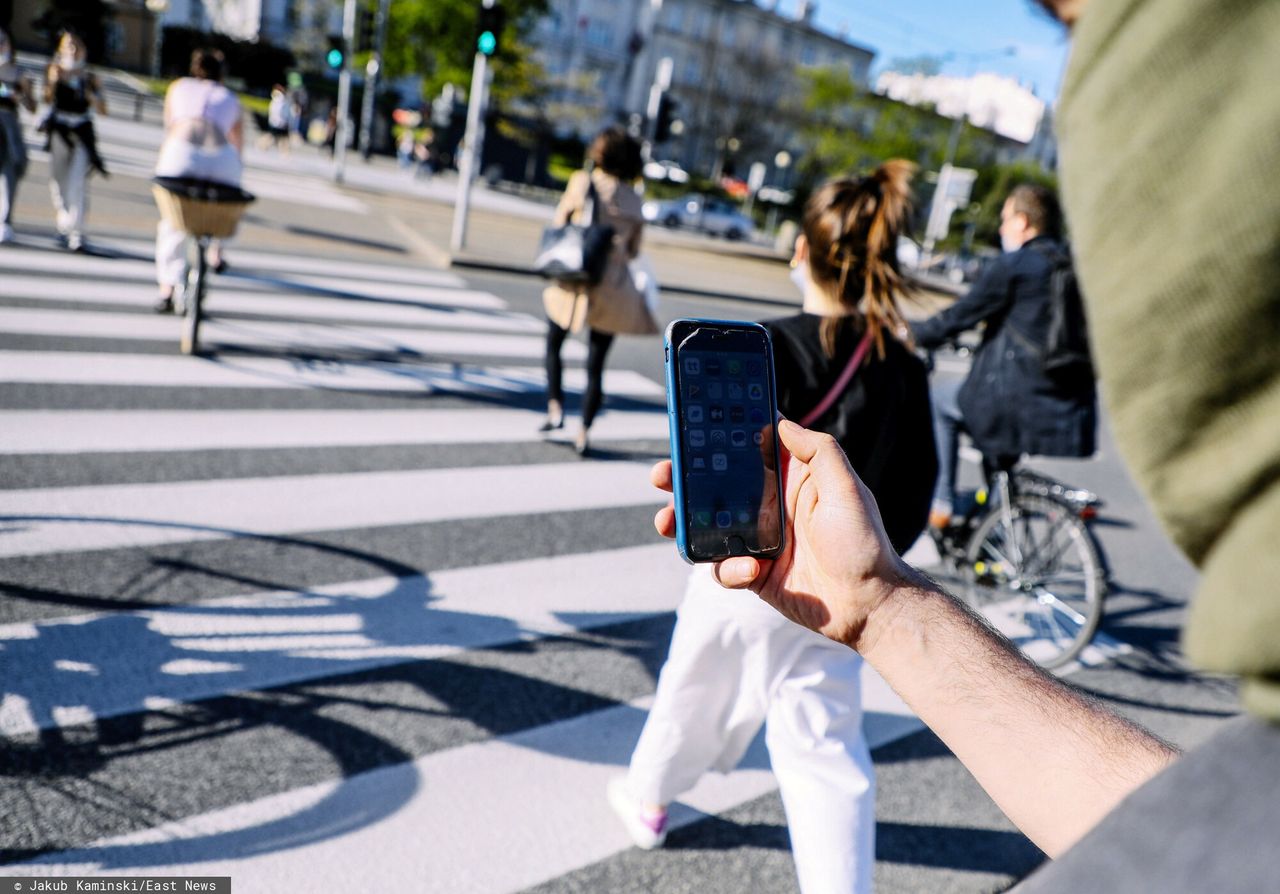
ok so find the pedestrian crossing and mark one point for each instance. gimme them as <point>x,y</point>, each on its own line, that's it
<point>321,608</point>
<point>346,490</point>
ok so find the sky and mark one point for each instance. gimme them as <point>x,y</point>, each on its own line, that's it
<point>902,28</point>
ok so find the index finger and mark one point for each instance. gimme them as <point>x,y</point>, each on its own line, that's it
<point>660,475</point>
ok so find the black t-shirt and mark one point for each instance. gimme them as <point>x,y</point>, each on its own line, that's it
<point>882,419</point>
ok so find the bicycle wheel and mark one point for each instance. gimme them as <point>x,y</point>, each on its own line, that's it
<point>193,302</point>
<point>1036,573</point>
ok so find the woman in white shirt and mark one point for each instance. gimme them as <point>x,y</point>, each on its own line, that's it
<point>204,139</point>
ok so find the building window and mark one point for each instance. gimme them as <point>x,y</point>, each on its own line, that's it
<point>701,23</point>
<point>600,34</point>
<point>808,54</point>
<point>692,72</point>
<point>673,16</point>
<point>728,31</point>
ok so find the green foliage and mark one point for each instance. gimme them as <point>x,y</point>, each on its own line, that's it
<point>992,187</point>
<point>436,39</point>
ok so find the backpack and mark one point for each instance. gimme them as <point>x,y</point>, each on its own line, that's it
<point>1066,348</point>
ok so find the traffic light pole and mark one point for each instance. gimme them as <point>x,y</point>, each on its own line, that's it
<point>472,145</point>
<point>371,73</point>
<point>661,84</point>
<point>344,91</point>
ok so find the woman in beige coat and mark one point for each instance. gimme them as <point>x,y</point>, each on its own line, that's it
<point>614,305</point>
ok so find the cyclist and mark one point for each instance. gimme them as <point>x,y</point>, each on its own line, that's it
<point>1008,404</point>
<point>204,139</point>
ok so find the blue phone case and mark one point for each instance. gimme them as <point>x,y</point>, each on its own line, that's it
<point>673,425</point>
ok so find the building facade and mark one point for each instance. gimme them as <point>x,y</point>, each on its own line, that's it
<point>733,69</point>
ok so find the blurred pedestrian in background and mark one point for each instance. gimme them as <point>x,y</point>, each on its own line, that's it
<point>73,94</point>
<point>299,100</point>
<point>1009,403</point>
<point>277,135</point>
<point>615,305</point>
<point>203,140</point>
<point>15,92</point>
<point>424,153</point>
<point>735,663</point>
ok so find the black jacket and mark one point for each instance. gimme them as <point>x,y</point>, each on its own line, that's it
<point>1010,405</point>
<point>882,419</point>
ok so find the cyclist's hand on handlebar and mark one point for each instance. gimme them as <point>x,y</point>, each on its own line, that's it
<point>837,567</point>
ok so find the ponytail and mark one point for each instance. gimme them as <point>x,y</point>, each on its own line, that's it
<point>852,227</point>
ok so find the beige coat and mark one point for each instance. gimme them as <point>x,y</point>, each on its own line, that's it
<point>613,305</point>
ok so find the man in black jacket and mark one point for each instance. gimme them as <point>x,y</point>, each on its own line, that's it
<point>1008,404</point>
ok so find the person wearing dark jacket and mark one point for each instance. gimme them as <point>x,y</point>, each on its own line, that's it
<point>1008,404</point>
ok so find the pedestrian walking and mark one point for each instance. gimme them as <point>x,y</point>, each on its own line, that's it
<point>1009,404</point>
<point>15,92</point>
<point>73,94</point>
<point>735,663</point>
<point>614,306</point>
<point>204,140</point>
<point>278,110</point>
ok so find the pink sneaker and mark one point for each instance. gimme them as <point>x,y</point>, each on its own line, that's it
<point>647,829</point>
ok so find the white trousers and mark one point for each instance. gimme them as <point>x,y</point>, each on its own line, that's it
<point>69,184</point>
<point>734,664</point>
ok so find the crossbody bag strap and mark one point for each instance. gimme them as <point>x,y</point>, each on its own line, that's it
<point>859,354</point>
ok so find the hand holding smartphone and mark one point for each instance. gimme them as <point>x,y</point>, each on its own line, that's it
<point>721,406</point>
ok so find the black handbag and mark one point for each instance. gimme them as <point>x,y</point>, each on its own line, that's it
<point>576,253</point>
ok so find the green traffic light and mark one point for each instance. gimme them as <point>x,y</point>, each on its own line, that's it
<point>487,43</point>
<point>334,58</point>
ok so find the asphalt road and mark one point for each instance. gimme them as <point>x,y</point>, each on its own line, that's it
<point>214,651</point>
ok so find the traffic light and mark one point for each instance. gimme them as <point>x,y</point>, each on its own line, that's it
<point>366,25</point>
<point>667,108</point>
<point>337,53</point>
<point>489,28</point>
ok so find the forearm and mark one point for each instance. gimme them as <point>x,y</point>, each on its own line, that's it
<point>1054,761</point>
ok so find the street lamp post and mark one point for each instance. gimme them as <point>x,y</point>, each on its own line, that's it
<point>157,8</point>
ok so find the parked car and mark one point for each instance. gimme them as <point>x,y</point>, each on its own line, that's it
<point>666,170</point>
<point>710,215</point>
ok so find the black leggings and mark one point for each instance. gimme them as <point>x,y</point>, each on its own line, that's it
<point>597,347</point>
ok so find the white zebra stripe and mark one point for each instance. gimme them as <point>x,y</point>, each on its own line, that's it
<point>63,264</point>
<point>52,520</point>
<point>269,334</point>
<point>95,431</point>
<point>82,368</point>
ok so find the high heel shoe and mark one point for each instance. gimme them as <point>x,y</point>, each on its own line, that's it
<point>580,445</point>
<point>551,424</point>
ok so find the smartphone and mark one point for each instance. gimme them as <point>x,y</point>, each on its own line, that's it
<point>722,406</point>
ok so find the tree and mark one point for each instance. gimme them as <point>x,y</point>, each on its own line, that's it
<point>437,39</point>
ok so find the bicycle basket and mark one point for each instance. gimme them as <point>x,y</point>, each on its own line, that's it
<point>200,207</point>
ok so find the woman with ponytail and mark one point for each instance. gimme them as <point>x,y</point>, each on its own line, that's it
<point>734,662</point>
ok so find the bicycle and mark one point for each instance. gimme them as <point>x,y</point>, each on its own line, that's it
<point>205,210</point>
<point>1029,561</point>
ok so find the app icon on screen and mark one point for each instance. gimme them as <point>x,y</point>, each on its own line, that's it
<point>693,366</point>
<point>744,517</point>
<point>733,367</point>
<point>719,462</point>
<point>758,437</point>
<point>717,437</point>
<point>738,438</point>
<point>738,414</point>
<point>715,390</point>
<point>755,392</point>
<point>698,463</point>
<point>753,368</point>
<point>693,413</point>
<point>702,519</point>
<point>715,413</point>
<point>695,390</point>
<point>735,391</point>
<point>697,437</point>
<point>757,416</point>
<point>713,367</point>
<point>724,518</point>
